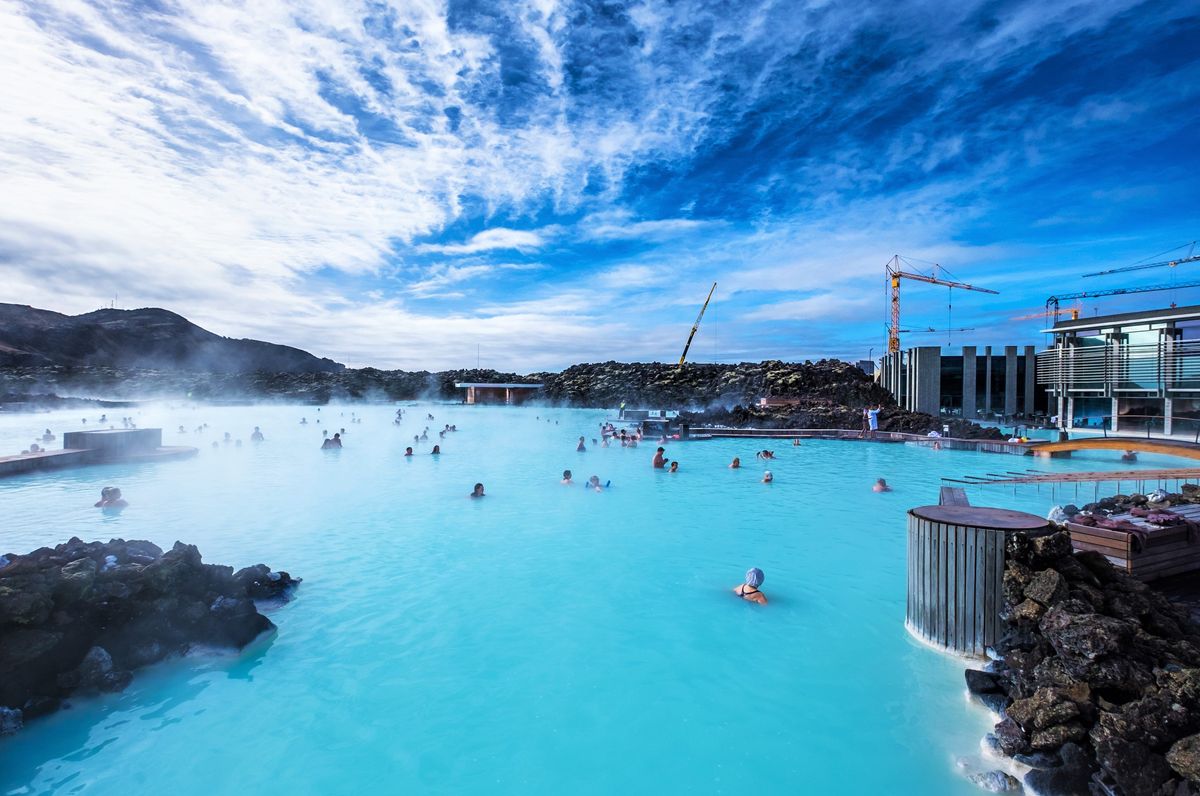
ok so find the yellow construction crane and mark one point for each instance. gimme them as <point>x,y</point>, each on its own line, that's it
<point>696,325</point>
<point>894,275</point>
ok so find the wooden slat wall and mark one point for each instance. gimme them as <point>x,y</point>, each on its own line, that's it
<point>955,584</point>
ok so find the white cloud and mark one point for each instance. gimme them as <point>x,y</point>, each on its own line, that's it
<point>490,239</point>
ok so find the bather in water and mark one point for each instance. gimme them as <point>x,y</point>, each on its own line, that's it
<point>749,590</point>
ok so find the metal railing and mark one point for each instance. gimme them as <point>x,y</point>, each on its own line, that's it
<point>1106,427</point>
<point>1166,365</point>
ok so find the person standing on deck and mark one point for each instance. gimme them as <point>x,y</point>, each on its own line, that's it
<point>865,424</point>
<point>873,419</point>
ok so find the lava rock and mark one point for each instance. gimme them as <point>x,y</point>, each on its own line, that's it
<point>996,781</point>
<point>1072,778</point>
<point>11,721</point>
<point>980,682</point>
<point>1047,707</point>
<point>1184,757</point>
<point>1010,738</point>
<point>95,673</point>
<point>80,616</point>
<point>1132,766</point>
<point>1047,588</point>
<point>1086,635</point>
<point>1040,760</point>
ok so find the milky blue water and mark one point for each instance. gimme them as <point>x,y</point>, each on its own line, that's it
<point>545,637</point>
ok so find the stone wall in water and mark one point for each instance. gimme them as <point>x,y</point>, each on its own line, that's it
<point>80,617</point>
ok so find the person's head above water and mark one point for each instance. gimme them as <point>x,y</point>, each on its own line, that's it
<point>754,577</point>
<point>566,476</point>
<point>408,451</point>
<point>437,449</point>
<point>478,491</point>
<point>736,463</point>
<point>767,477</point>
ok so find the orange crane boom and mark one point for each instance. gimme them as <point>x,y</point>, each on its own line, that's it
<point>894,275</point>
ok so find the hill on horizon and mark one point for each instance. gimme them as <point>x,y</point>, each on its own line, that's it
<point>143,338</point>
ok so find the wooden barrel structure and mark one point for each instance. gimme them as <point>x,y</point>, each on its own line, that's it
<point>956,573</point>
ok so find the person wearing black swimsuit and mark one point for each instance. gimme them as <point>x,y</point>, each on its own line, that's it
<point>749,590</point>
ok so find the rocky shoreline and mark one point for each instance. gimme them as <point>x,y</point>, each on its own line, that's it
<point>81,617</point>
<point>816,413</point>
<point>1096,682</point>
<point>827,394</point>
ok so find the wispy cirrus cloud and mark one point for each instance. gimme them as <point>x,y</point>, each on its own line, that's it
<point>246,165</point>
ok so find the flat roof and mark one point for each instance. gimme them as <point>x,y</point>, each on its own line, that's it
<point>1127,319</point>
<point>464,384</point>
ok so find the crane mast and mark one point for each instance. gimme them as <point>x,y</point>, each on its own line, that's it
<point>696,325</point>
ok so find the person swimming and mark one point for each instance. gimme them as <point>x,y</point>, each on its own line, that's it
<point>408,452</point>
<point>47,437</point>
<point>110,498</point>
<point>333,442</point>
<point>735,464</point>
<point>594,483</point>
<point>437,450</point>
<point>749,589</point>
<point>767,477</point>
<point>1129,456</point>
<point>581,447</point>
<point>881,486</point>
<point>304,421</point>
<point>674,467</point>
<point>257,436</point>
<point>566,480</point>
<point>659,461</point>
<point>477,492</point>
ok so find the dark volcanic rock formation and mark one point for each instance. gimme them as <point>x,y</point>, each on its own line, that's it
<point>593,385</point>
<point>1098,682</point>
<point>809,413</point>
<point>80,617</point>
<point>144,338</point>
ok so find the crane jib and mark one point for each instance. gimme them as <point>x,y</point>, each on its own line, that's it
<point>696,325</point>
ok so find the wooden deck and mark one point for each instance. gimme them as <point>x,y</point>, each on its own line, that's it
<point>1152,552</point>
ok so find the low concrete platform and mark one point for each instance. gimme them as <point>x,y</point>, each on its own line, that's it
<point>82,448</point>
<point>43,460</point>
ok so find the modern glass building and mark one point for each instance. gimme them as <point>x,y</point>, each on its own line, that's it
<point>1131,372</point>
<point>980,383</point>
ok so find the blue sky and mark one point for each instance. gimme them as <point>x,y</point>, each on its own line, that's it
<point>421,184</point>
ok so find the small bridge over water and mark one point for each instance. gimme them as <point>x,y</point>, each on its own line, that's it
<point>1170,447</point>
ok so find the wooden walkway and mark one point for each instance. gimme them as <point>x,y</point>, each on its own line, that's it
<point>945,443</point>
<point>1169,447</point>
<point>1043,477</point>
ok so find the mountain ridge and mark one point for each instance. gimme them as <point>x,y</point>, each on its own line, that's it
<point>146,338</point>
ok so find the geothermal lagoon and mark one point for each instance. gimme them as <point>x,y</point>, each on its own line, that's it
<point>544,637</point>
